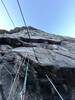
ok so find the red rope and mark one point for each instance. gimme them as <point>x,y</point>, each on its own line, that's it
<point>22,97</point>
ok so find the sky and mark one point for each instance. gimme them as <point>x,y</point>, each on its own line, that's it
<point>52,16</point>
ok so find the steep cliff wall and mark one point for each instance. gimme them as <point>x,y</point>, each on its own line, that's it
<point>55,56</point>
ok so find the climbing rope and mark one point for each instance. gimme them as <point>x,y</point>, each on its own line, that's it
<point>23,17</point>
<point>25,81</point>
<point>54,87</point>
<point>8,13</point>
<point>27,29</point>
<point>21,12</point>
<point>7,70</point>
<point>17,74</point>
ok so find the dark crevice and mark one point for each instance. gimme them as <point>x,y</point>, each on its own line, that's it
<point>48,41</point>
<point>16,42</point>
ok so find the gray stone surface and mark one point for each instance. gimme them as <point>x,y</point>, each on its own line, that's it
<point>54,53</point>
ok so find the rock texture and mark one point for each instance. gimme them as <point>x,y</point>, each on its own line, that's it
<point>47,53</point>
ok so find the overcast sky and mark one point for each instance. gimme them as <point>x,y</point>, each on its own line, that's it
<point>53,16</point>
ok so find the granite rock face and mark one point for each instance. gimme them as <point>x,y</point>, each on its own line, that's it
<point>47,53</point>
